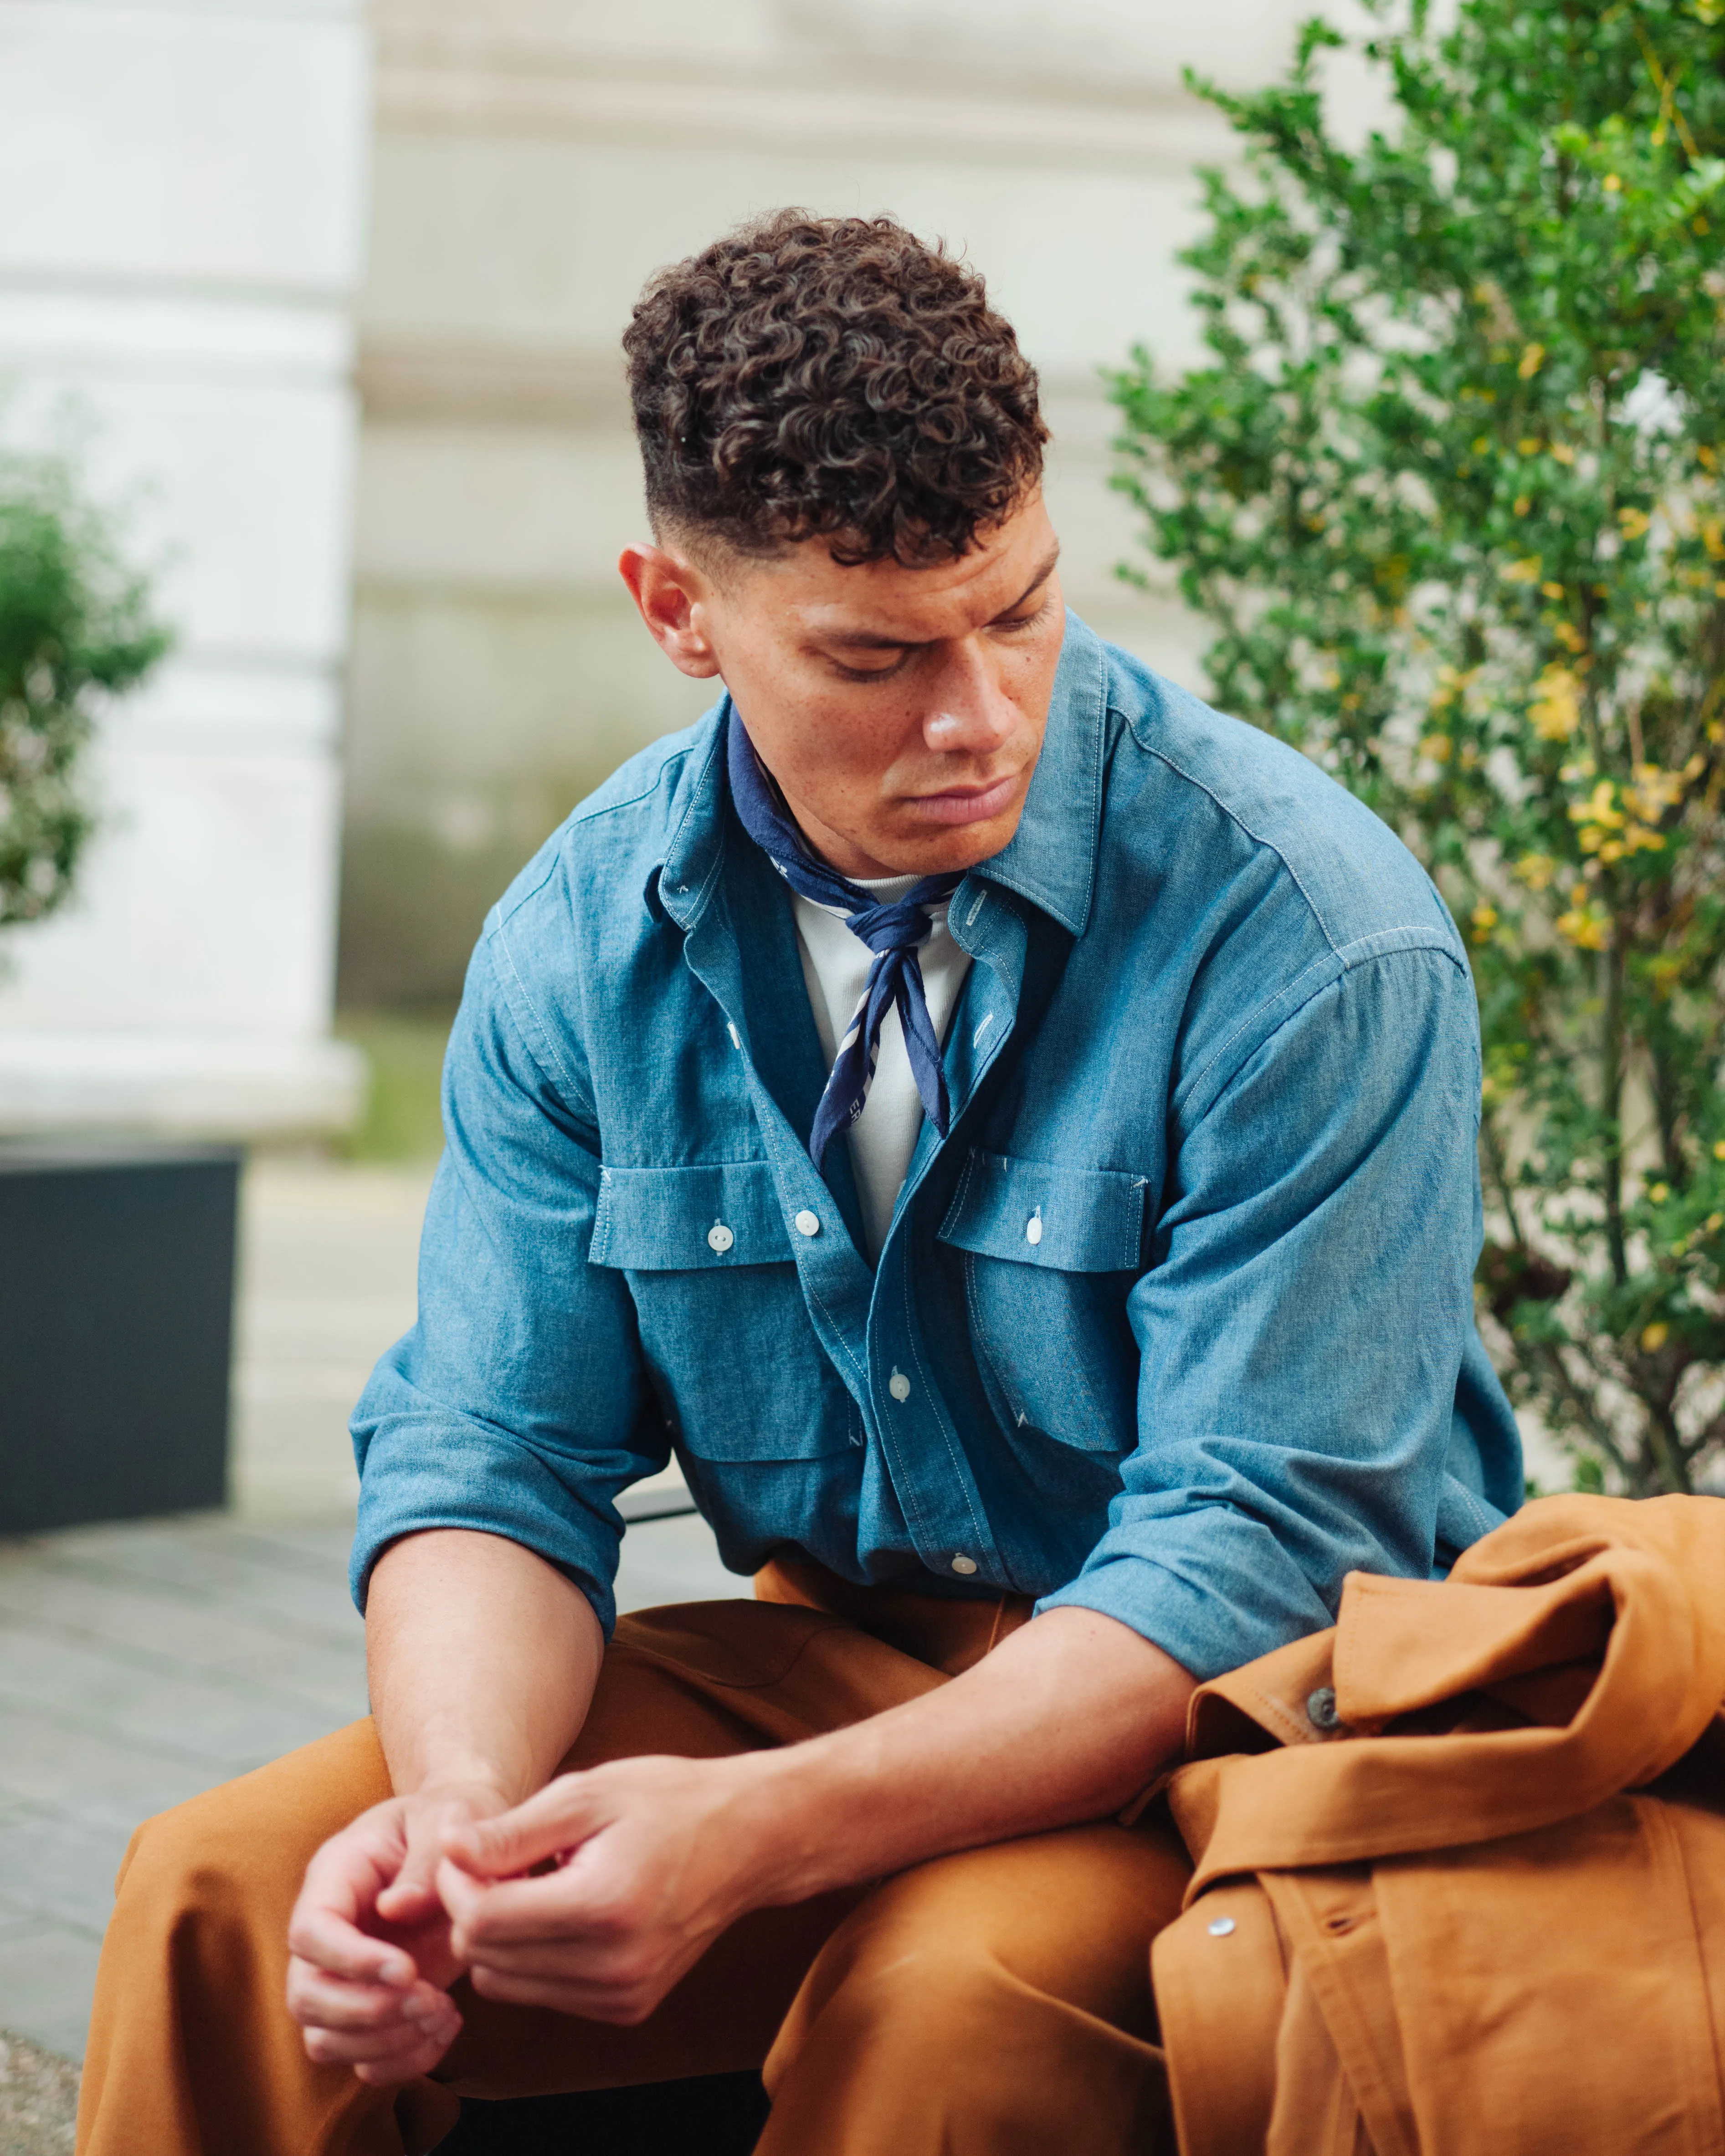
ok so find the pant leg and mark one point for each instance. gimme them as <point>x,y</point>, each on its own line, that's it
<point>192,2051</point>
<point>996,2003</point>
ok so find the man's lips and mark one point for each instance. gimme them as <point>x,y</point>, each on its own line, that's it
<point>965,804</point>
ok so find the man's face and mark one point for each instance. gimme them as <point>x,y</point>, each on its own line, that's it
<point>900,711</point>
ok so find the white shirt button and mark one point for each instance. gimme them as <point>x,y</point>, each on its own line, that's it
<point>808,1222</point>
<point>719,1238</point>
<point>965,1565</point>
<point>899,1385</point>
<point>1033,1228</point>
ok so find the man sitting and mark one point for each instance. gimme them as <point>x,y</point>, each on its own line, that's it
<point>1010,1133</point>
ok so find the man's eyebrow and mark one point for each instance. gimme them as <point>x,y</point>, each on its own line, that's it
<point>863,639</point>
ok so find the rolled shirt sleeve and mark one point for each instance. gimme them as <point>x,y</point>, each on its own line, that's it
<point>518,1403</point>
<point>1302,1326</point>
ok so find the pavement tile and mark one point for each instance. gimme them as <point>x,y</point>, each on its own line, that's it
<point>279,1584</point>
<point>43,1760</point>
<point>232,1723</point>
<point>46,1978</point>
<point>60,1869</point>
<point>169,1627</point>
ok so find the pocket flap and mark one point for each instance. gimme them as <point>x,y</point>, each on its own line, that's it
<point>1074,1220</point>
<point>686,1220</point>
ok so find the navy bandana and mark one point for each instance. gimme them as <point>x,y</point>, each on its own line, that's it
<point>892,932</point>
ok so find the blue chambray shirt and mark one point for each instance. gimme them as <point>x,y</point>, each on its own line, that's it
<point>1218,1042</point>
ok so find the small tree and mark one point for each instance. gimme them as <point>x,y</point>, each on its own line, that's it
<point>74,623</point>
<point>1451,490</point>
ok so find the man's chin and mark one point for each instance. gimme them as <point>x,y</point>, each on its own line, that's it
<point>946,848</point>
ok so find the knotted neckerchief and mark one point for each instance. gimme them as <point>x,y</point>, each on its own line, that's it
<point>892,932</point>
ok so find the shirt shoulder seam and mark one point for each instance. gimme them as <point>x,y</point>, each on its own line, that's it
<point>1344,959</point>
<point>1234,816</point>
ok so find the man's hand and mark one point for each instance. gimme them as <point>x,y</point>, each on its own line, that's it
<point>370,1939</point>
<point>655,1856</point>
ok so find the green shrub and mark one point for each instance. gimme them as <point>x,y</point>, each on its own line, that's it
<point>74,624</point>
<point>1451,490</point>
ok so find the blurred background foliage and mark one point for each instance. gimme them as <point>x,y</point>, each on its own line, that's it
<point>401,1117</point>
<point>1449,490</point>
<point>75,625</point>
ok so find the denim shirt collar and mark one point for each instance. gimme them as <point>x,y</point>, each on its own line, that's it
<point>1050,859</point>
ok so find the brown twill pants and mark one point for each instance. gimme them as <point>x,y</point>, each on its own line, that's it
<point>996,2003</point>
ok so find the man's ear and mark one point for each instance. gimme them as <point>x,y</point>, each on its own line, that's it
<point>674,601</point>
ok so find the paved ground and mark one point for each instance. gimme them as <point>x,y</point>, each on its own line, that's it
<point>143,1662</point>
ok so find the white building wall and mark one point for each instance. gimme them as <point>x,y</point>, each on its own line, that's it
<point>179,252</point>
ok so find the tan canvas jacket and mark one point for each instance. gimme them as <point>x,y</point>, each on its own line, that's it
<point>1460,1860</point>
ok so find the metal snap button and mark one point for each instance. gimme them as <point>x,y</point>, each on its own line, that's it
<point>807,1223</point>
<point>1321,1709</point>
<point>719,1238</point>
<point>899,1385</point>
<point>963,1564</point>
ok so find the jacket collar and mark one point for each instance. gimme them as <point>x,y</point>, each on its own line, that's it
<point>1050,859</point>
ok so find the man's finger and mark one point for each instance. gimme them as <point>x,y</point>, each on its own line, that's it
<point>517,1911</point>
<point>322,1936</point>
<point>560,1815</point>
<point>381,2055</point>
<point>317,1999</point>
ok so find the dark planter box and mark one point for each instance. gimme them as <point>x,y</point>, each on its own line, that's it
<point>116,1322</point>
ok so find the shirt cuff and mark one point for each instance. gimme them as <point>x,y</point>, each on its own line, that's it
<point>1212,1588</point>
<point>497,1489</point>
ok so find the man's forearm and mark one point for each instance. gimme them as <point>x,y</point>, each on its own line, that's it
<point>1067,1720</point>
<point>482,1660</point>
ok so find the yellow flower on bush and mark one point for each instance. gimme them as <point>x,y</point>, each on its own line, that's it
<point>1556,710</point>
<point>1437,747</point>
<point>1596,815</point>
<point>1654,791</point>
<point>1536,870</point>
<point>1529,364</point>
<point>1523,572</point>
<point>1588,928</point>
<point>1484,919</point>
<point>1654,1338</point>
<point>1634,523</point>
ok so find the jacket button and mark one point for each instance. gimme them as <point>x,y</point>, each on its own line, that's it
<point>719,1238</point>
<point>964,1565</point>
<point>808,1222</point>
<point>899,1385</point>
<point>1321,1709</point>
<point>1033,1227</point>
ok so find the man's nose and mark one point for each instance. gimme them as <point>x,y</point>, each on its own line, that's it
<point>971,715</point>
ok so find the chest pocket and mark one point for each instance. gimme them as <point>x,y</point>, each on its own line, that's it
<point>1050,1256</point>
<point>736,1363</point>
<point>673,1219</point>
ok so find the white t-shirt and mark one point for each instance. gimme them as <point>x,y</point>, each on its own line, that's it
<point>835,965</point>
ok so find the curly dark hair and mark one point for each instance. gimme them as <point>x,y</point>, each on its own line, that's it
<point>830,375</point>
